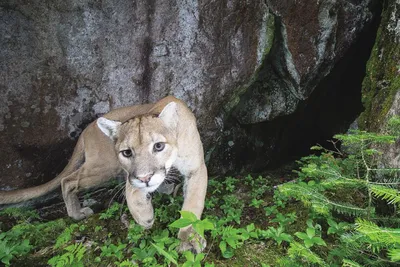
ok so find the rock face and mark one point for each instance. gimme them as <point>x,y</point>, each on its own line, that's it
<point>381,86</point>
<point>382,81</point>
<point>244,67</point>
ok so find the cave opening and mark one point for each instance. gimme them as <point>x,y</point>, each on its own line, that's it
<point>332,107</point>
<point>336,101</point>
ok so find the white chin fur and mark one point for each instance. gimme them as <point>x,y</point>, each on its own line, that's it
<point>155,181</point>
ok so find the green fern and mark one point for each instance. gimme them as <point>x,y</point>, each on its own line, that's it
<point>71,258</point>
<point>65,236</point>
<point>321,204</point>
<point>394,254</point>
<point>386,236</point>
<point>350,263</point>
<point>355,246</point>
<point>364,139</point>
<point>298,250</point>
<point>357,175</point>
<point>391,195</point>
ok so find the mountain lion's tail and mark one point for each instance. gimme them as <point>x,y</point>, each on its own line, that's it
<point>21,195</point>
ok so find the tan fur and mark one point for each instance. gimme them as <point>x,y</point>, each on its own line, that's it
<point>137,128</point>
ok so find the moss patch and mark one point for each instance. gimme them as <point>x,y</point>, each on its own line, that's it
<point>382,80</point>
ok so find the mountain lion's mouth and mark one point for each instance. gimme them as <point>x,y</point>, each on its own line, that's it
<point>148,183</point>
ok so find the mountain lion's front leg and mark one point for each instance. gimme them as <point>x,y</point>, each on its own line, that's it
<point>195,193</point>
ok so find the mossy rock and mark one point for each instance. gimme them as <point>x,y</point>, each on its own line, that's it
<point>382,80</point>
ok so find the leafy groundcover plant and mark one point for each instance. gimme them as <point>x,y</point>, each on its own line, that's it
<point>339,208</point>
<point>235,229</point>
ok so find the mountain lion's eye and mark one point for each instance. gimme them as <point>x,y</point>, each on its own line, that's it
<point>159,146</point>
<point>127,153</point>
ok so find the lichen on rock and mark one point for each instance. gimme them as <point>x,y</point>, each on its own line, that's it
<point>382,80</point>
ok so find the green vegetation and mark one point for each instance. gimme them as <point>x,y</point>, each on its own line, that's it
<point>112,212</point>
<point>355,196</point>
<point>338,209</point>
<point>72,257</point>
<point>11,247</point>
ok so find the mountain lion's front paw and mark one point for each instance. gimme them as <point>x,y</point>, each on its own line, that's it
<point>80,214</point>
<point>86,212</point>
<point>190,240</point>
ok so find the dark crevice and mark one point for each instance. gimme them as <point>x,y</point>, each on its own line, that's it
<point>336,101</point>
<point>147,72</point>
<point>147,49</point>
<point>330,109</point>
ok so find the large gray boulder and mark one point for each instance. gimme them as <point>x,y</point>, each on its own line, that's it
<point>240,65</point>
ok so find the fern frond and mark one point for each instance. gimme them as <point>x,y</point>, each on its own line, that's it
<point>387,182</point>
<point>298,250</point>
<point>286,261</point>
<point>320,203</point>
<point>358,245</point>
<point>343,182</point>
<point>325,170</point>
<point>391,195</point>
<point>386,236</point>
<point>353,241</point>
<point>348,209</point>
<point>349,263</point>
<point>394,254</point>
<point>389,221</point>
<point>357,137</point>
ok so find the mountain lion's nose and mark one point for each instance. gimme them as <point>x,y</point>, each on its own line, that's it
<point>146,178</point>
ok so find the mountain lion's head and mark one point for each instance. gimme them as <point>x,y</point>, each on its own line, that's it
<point>145,146</point>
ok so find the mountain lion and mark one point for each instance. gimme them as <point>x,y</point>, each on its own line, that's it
<point>143,142</point>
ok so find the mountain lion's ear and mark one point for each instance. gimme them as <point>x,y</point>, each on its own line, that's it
<point>169,115</point>
<point>108,127</point>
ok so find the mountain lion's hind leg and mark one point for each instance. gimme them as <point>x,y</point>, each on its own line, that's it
<point>69,187</point>
<point>87,176</point>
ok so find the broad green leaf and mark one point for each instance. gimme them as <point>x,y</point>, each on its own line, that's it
<point>207,224</point>
<point>301,235</point>
<point>199,257</point>
<point>199,228</point>
<point>189,256</point>
<point>228,253</point>
<point>332,223</point>
<point>318,241</point>
<point>310,232</point>
<point>231,241</point>
<point>308,243</point>
<point>222,246</point>
<point>331,230</point>
<point>188,215</point>
<point>250,227</point>
<point>287,237</point>
<point>180,223</point>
